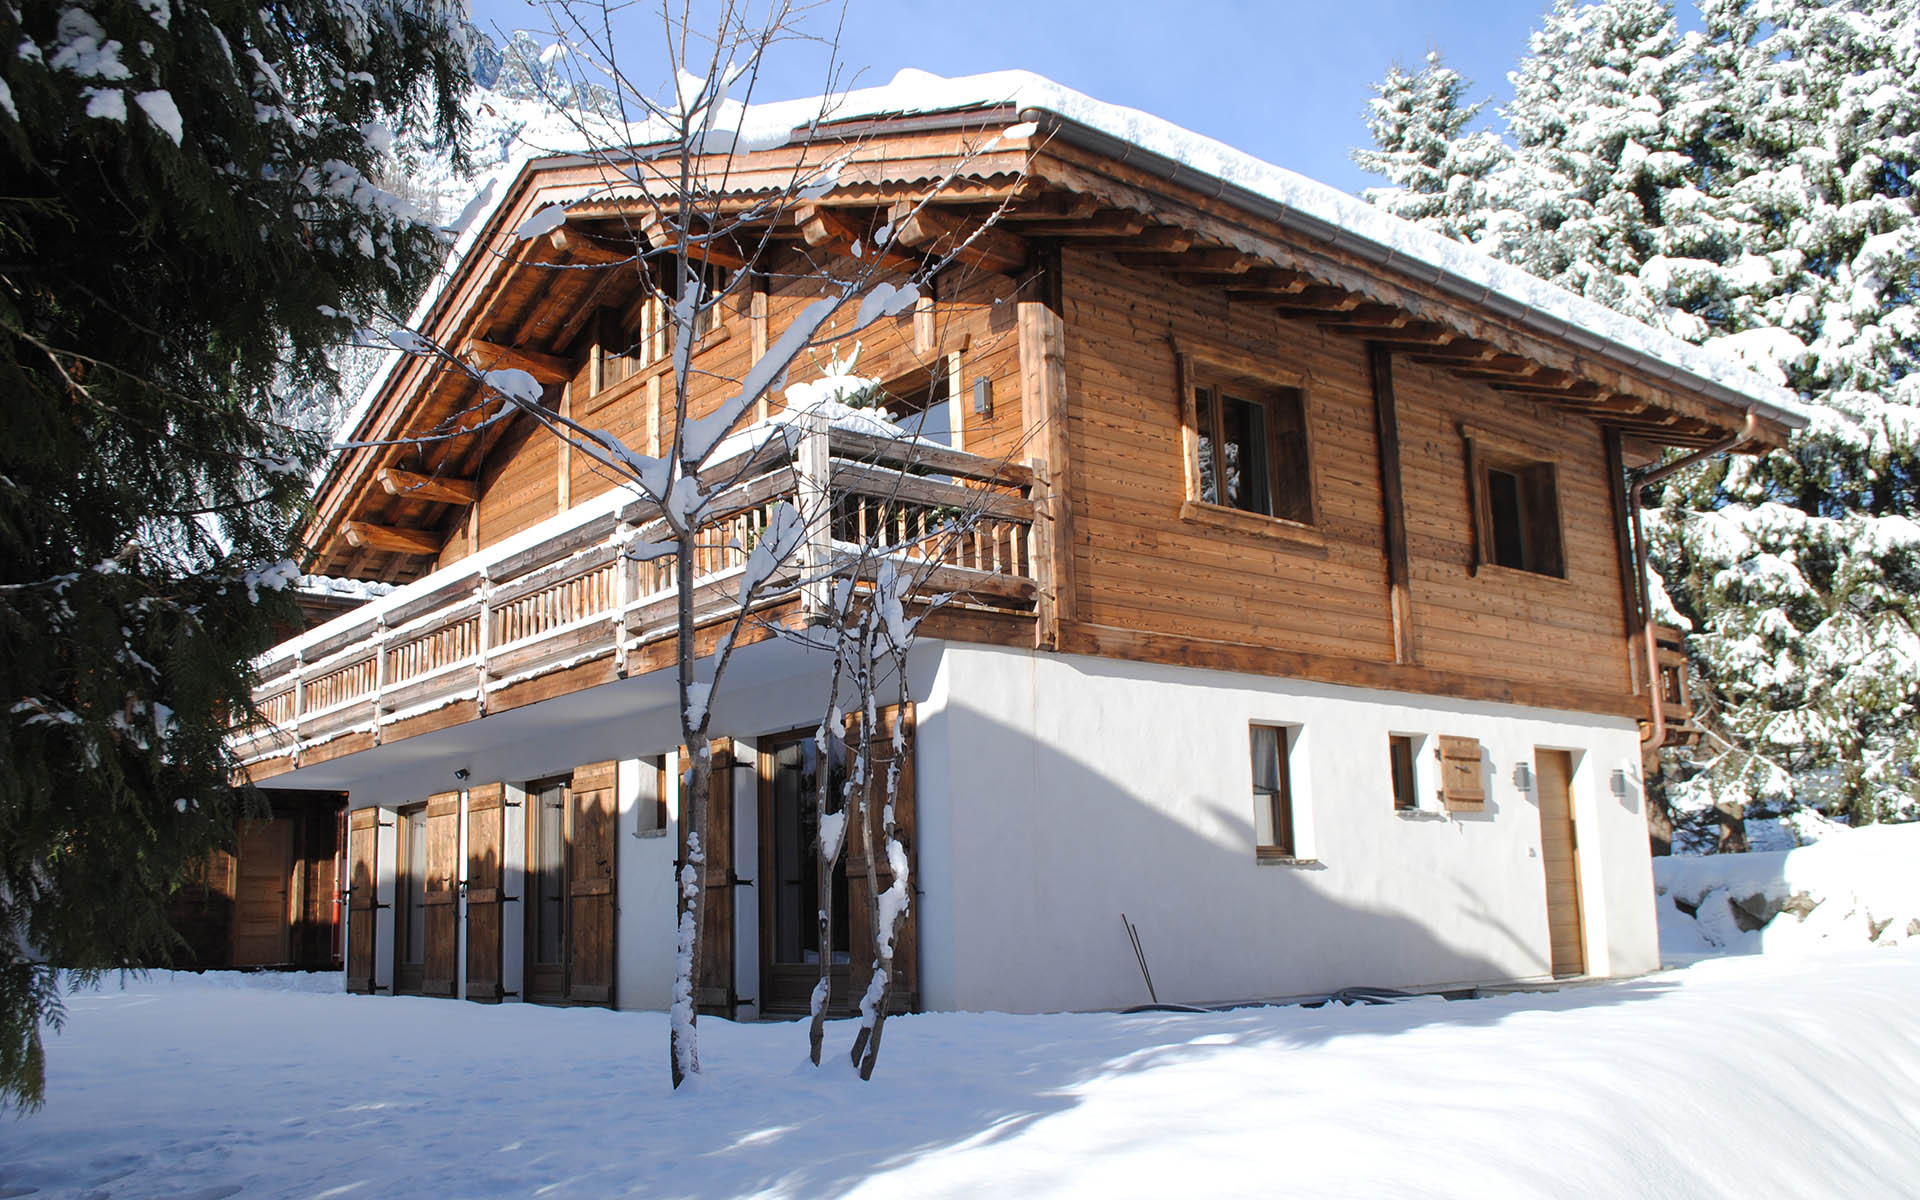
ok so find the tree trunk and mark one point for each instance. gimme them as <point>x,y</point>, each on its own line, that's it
<point>683,1050</point>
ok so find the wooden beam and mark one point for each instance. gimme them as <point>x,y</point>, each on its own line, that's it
<point>665,239</point>
<point>585,251</point>
<point>1224,262</point>
<point>438,488</point>
<point>388,537</point>
<point>931,231</point>
<point>1579,391</point>
<point>1371,316</point>
<point>1312,302</point>
<point>492,356</point>
<point>1392,502</point>
<point>1418,336</point>
<point>1271,281</point>
<point>1454,354</point>
<point>1054,206</point>
<point>1162,239</point>
<point>1111,223</point>
<point>828,229</point>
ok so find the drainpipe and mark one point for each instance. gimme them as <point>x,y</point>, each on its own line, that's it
<point>1656,732</point>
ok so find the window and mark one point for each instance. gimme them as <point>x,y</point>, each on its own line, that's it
<point>642,336</point>
<point>1400,757</point>
<point>1516,517</point>
<point>920,402</point>
<point>1252,448</point>
<point>1274,833</point>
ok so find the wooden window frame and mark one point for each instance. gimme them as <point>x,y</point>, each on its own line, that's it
<point>645,323</point>
<point>1543,538</point>
<point>1285,815</point>
<point>1403,769</point>
<point>1207,370</point>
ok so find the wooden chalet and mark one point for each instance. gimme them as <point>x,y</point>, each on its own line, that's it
<point>1304,624</point>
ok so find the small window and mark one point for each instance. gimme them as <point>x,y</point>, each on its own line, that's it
<point>1253,451</point>
<point>642,336</point>
<point>1273,818</point>
<point>1400,757</point>
<point>1516,512</point>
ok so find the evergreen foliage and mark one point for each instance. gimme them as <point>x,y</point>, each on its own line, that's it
<point>1439,173</point>
<point>1751,186</point>
<point>186,228</point>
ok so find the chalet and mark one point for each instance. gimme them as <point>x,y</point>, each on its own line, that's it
<point>1306,628</point>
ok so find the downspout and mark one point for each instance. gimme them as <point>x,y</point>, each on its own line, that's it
<point>1656,732</point>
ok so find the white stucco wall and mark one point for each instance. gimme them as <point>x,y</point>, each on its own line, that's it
<point>1058,792</point>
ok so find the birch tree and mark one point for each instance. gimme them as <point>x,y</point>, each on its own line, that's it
<point>678,151</point>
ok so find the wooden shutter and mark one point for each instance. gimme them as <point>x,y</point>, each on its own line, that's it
<point>716,995</point>
<point>443,894</point>
<point>593,806</point>
<point>363,849</point>
<point>905,988</point>
<point>1460,780</point>
<point>486,853</point>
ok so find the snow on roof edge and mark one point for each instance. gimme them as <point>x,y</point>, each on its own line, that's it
<point>913,91</point>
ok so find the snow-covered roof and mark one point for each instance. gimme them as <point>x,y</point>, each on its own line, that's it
<point>1316,208</point>
<point>1338,217</point>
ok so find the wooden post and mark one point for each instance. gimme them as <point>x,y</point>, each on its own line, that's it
<point>1393,502</point>
<point>563,485</point>
<point>623,590</point>
<point>482,591</point>
<point>1043,400</point>
<point>653,416</point>
<point>757,301</point>
<point>379,672</point>
<point>812,467</point>
<point>1623,547</point>
<point>1046,625</point>
<point>299,698</point>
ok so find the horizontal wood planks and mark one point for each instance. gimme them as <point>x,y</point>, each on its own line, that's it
<point>1325,593</point>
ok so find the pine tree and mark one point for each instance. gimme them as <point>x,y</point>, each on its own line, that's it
<point>187,227</point>
<point>1752,188</point>
<point>1585,199</point>
<point>1800,572</point>
<point>1438,173</point>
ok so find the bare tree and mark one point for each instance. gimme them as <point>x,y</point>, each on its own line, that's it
<point>680,156</point>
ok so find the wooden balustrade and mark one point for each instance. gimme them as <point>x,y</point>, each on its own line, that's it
<point>966,531</point>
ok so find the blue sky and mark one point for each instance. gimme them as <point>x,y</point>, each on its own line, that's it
<point>1283,80</point>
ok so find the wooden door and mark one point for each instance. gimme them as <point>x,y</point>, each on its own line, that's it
<point>1560,854</point>
<point>442,895</point>
<point>410,900</point>
<point>546,893</point>
<point>591,854</point>
<point>905,988</point>
<point>486,846</point>
<point>262,898</point>
<point>717,994</point>
<point>363,854</point>
<point>790,951</point>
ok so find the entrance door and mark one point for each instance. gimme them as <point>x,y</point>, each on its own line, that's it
<point>410,902</point>
<point>261,896</point>
<point>1560,854</point>
<point>571,860</point>
<point>790,864</point>
<point>547,892</point>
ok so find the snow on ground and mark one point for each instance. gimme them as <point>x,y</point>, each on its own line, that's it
<point>1742,1077</point>
<point>1848,889</point>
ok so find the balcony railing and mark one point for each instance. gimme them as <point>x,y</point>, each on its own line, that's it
<point>962,522</point>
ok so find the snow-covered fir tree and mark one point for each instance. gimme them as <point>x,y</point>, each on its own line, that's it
<point>1752,187</point>
<point>191,224</point>
<point>1438,173</point>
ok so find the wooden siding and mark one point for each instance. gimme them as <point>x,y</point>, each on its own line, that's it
<point>1323,590</point>
<point>520,483</point>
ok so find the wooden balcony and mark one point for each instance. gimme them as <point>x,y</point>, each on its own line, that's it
<point>440,650</point>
